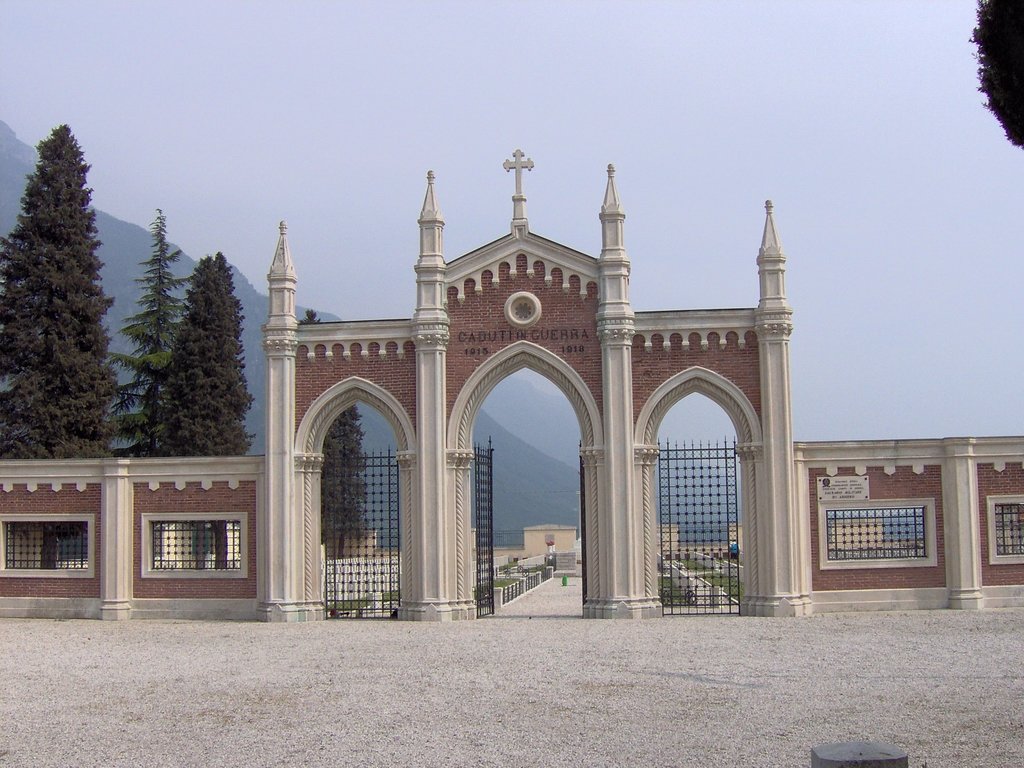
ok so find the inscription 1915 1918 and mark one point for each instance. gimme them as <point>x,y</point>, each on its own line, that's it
<point>573,339</point>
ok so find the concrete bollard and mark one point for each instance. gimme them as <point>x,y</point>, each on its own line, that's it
<point>858,754</point>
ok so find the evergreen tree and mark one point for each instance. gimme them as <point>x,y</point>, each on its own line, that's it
<point>139,407</point>
<point>342,492</point>
<point>57,383</point>
<point>205,396</point>
<point>1000,40</point>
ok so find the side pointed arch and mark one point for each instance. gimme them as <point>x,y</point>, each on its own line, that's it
<point>515,357</point>
<point>712,385</point>
<point>309,437</point>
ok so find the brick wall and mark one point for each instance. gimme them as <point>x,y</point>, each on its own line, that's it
<point>992,483</point>
<point>43,501</point>
<point>395,374</point>
<point>220,498</point>
<point>903,484</point>
<point>567,327</point>
<point>741,366</point>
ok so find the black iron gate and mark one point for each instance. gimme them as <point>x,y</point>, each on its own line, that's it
<point>483,522</point>
<point>361,545</point>
<point>699,565</point>
<point>583,527</point>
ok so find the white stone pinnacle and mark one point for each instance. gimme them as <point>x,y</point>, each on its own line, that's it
<point>431,210</point>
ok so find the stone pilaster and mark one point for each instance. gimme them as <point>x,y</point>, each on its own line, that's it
<point>784,588</point>
<point>282,537</point>
<point>620,552</point>
<point>433,523</point>
<point>460,473</point>
<point>118,520</point>
<point>962,523</point>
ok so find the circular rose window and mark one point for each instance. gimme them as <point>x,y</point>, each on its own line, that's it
<point>522,309</point>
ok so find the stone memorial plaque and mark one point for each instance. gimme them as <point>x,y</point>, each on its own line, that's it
<point>846,488</point>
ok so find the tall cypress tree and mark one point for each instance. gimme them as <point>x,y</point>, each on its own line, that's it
<point>205,396</point>
<point>57,382</point>
<point>140,407</point>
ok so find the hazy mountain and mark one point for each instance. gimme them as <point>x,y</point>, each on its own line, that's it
<point>123,247</point>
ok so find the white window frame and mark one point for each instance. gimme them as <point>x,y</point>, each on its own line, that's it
<point>148,572</point>
<point>929,561</point>
<point>993,558</point>
<point>50,573</point>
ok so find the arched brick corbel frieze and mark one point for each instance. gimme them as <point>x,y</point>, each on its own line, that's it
<point>522,354</point>
<point>310,435</point>
<point>708,383</point>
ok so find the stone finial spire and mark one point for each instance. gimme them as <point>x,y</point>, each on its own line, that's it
<point>430,267</point>
<point>770,241</point>
<point>431,210</point>
<point>281,282</point>
<point>771,267</point>
<point>612,204</point>
<point>431,223</point>
<point>282,265</point>
<point>519,163</point>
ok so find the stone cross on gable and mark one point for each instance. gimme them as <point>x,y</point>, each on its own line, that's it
<point>517,164</point>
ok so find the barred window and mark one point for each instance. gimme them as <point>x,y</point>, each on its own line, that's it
<point>196,545</point>
<point>45,545</point>
<point>883,533</point>
<point>1009,529</point>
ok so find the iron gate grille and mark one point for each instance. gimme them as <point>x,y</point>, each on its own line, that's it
<point>361,557</point>
<point>699,523</point>
<point>483,522</point>
<point>583,527</point>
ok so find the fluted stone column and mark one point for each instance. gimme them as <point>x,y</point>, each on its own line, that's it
<point>782,582</point>
<point>622,545</point>
<point>434,582</point>
<point>282,531</point>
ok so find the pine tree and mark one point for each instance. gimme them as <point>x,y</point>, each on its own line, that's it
<point>1000,40</point>
<point>205,396</point>
<point>139,407</point>
<point>57,382</point>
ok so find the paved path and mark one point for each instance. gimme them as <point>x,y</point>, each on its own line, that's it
<point>549,600</point>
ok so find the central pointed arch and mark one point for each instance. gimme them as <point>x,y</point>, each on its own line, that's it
<point>515,357</point>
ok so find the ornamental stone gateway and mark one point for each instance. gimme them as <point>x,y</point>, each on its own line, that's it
<point>524,301</point>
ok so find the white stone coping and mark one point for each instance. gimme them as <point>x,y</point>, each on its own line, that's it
<point>177,471</point>
<point>915,453</point>
<point>687,321</point>
<point>50,573</point>
<point>348,333</point>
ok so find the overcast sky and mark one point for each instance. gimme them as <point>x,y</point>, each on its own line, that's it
<point>898,199</point>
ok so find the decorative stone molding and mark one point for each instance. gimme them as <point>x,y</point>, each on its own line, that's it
<point>616,335</point>
<point>460,459</point>
<point>711,385</point>
<point>283,346</point>
<point>522,354</point>
<point>342,396</point>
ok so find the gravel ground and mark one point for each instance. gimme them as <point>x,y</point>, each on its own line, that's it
<point>527,687</point>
